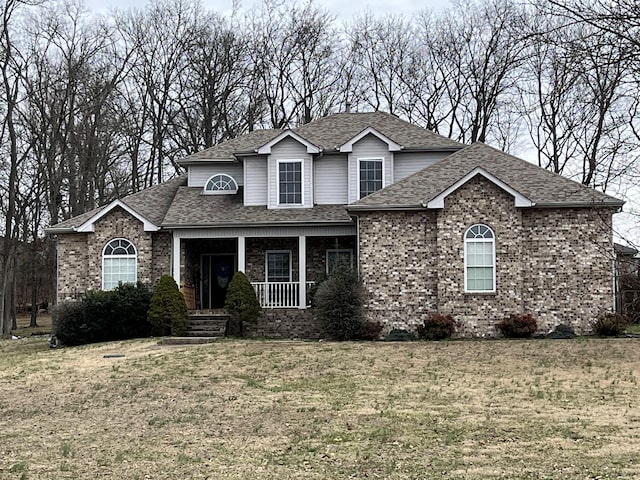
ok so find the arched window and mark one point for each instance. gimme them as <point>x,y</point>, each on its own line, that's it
<point>479,259</point>
<point>119,263</point>
<point>221,183</point>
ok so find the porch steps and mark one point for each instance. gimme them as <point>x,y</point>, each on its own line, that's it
<point>207,324</point>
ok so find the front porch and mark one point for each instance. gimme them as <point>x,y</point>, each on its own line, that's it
<point>282,268</point>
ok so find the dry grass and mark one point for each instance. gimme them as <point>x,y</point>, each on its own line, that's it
<point>277,410</point>
<point>23,330</point>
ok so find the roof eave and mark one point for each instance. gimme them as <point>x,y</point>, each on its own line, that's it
<point>174,226</point>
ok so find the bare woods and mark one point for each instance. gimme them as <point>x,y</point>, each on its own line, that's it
<point>93,107</point>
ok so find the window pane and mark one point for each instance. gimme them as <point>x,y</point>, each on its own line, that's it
<point>278,267</point>
<point>290,176</point>
<point>370,176</point>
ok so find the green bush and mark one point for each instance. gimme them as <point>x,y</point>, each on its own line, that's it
<point>168,313</point>
<point>518,326</point>
<point>437,327</point>
<point>338,304</point>
<point>562,332</point>
<point>69,326</point>
<point>100,316</point>
<point>241,303</point>
<point>371,330</point>
<point>400,335</point>
<point>610,324</point>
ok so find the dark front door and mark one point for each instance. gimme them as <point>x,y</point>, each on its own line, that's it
<point>217,271</point>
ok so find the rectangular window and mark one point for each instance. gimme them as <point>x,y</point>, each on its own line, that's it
<point>118,270</point>
<point>480,266</point>
<point>370,176</point>
<point>290,183</point>
<point>339,256</point>
<point>279,266</point>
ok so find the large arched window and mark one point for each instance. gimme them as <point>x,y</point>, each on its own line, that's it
<point>119,263</point>
<point>221,183</point>
<point>479,259</point>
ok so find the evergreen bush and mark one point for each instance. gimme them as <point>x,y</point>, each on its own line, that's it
<point>562,332</point>
<point>168,313</point>
<point>437,327</point>
<point>518,326</point>
<point>100,316</point>
<point>338,304</point>
<point>241,303</point>
<point>610,324</point>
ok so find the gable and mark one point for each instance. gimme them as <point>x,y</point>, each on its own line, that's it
<point>89,225</point>
<point>519,199</point>
<point>533,184</point>
<point>287,135</point>
<point>369,132</point>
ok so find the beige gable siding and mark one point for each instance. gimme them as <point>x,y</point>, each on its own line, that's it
<point>290,149</point>
<point>408,163</point>
<point>255,181</point>
<point>199,174</point>
<point>369,146</point>
<point>330,175</point>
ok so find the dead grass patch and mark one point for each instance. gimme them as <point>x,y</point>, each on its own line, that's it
<point>276,410</point>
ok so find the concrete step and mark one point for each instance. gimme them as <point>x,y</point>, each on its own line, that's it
<point>187,340</point>
<point>207,325</point>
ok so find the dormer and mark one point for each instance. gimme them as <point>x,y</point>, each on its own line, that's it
<point>370,162</point>
<point>289,170</point>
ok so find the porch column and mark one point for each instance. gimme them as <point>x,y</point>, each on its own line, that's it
<point>242,262</point>
<point>175,257</point>
<point>302,271</point>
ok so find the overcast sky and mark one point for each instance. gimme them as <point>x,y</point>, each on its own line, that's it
<point>342,9</point>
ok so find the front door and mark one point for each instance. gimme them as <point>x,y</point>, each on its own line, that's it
<point>217,271</point>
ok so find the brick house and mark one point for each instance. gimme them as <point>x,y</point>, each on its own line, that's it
<point>431,225</point>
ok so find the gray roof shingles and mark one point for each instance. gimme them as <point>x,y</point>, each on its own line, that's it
<point>152,203</point>
<point>331,132</point>
<point>538,185</point>
<point>193,208</point>
<point>173,204</point>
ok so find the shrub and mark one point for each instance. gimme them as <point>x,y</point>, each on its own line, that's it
<point>168,313</point>
<point>437,327</point>
<point>610,324</point>
<point>562,331</point>
<point>518,326</point>
<point>338,304</point>
<point>371,330</point>
<point>400,335</point>
<point>100,316</point>
<point>69,327</point>
<point>241,302</point>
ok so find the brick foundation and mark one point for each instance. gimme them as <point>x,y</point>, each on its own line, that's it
<point>286,323</point>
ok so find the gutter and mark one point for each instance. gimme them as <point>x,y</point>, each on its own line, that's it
<point>169,226</point>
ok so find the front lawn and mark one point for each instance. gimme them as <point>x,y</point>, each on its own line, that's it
<point>276,410</point>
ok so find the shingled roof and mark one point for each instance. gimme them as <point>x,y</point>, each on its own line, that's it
<point>330,132</point>
<point>543,188</point>
<point>152,203</point>
<point>191,207</point>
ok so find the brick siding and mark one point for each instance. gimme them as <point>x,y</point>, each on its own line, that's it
<point>553,263</point>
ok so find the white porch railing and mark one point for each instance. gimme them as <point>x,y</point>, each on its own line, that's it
<point>279,294</point>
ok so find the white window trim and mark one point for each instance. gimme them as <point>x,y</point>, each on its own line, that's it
<point>493,252</point>
<point>134,256</point>
<point>220,192</point>
<point>286,205</point>
<point>368,159</point>
<point>337,250</point>
<point>266,264</point>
